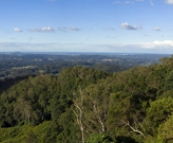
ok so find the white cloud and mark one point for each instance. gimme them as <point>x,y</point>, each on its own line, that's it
<point>127,26</point>
<point>155,44</point>
<point>157,29</point>
<point>165,46</point>
<point>47,29</point>
<point>18,30</point>
<point>74,28</point>
<point>66,29</point>
<point>161,47</point>
<point>44,29</point>
<point>169,1</point>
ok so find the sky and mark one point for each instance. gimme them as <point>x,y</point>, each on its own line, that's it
<point>118,26</point>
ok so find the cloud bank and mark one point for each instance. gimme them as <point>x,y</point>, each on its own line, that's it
<point>18,30</point>
<point>127,26</point>
<point>155,44</point>
<point>43,29</point>
<point>169,1</point>
<point>74,28</point>
<point>161,47</point>
<point>66,29</point>
<point>157,29</point>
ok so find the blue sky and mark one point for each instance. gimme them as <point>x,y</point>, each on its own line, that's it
<point>135,26</point>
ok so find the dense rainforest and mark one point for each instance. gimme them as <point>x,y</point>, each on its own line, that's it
<point>85,105</point>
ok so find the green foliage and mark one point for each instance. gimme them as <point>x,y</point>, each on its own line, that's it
<point>28,101</point>
<point>158,112</point>
<point>43,133</point>
<point>131,106</point>
<point>165,131</point>
<point>69,131</point>
<point>169,81</point>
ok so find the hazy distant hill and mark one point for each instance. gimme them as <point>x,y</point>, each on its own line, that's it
<point>23,64</point>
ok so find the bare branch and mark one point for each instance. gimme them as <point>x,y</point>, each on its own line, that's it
<point>96,111</point>
<point>78,111</point>
<point>135,130</point>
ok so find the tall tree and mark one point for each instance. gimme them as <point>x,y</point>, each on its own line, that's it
<point>78,111</point>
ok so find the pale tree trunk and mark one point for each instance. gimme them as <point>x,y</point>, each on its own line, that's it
<point>100,120</point>
<point>27,111</point>
<point>78,111</point>
<point>134,129</point>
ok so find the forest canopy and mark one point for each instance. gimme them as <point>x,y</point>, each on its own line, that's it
<point>86,105</point>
